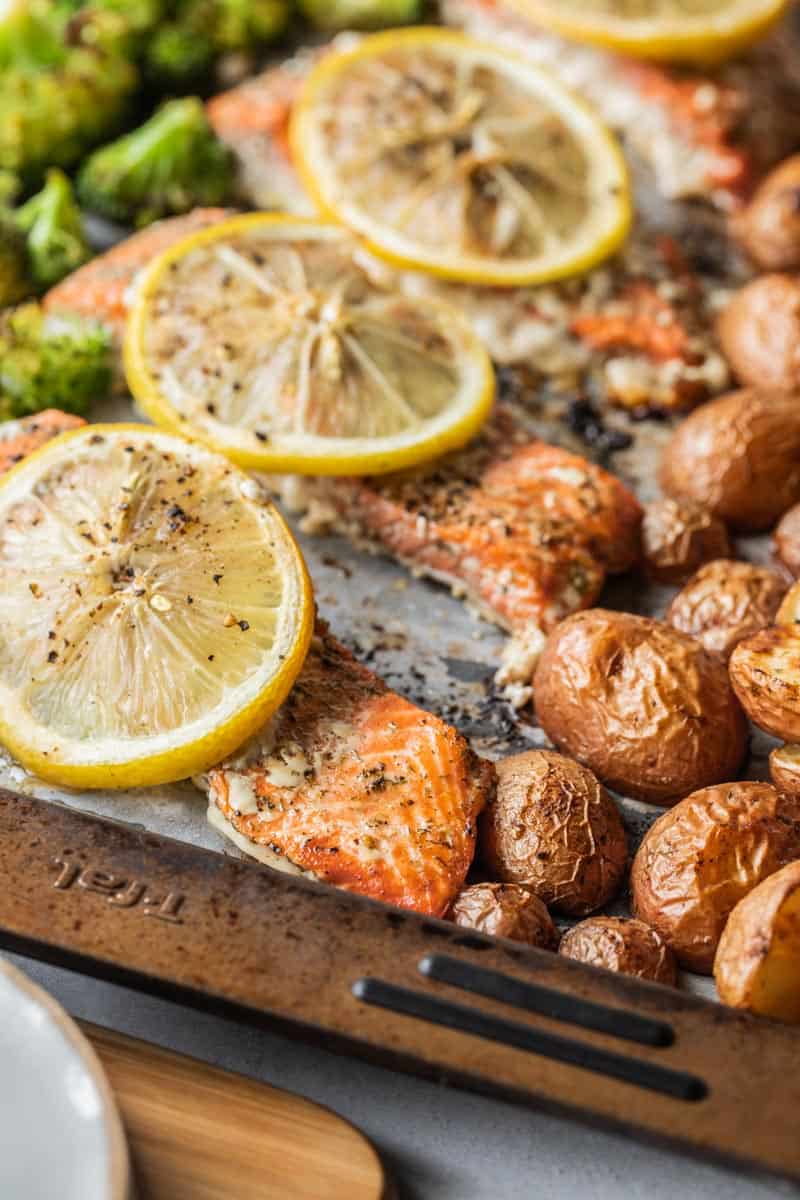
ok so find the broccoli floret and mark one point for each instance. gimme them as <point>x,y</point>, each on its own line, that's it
<point>49,361</point>
<point>15,283</point>
<point>235,24</point>
<point>178,58</point>
<point>169,165</point>
<point>360,14</point>
<point>31,36</point>
<point>56,241</point>
<point>52,117</point>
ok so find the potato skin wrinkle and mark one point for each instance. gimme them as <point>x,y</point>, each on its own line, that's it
<point>784,769</point>
<point>553,827</point>
<point>505,910</point>
<point>739,456</point>
<point>642,705</point>
<point>678,536</point>
<point>769,227</point>
<point>698,860</point>
<point>757,966</point>
<point>725,602</point>
<point>765,673</point>
<point>621,944</point>
<point>759,332</point>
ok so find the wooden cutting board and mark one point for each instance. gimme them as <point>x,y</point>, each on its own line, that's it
<point>198,1133</point>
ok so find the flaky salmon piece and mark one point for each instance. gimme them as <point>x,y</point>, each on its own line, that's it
<point>704,133</point>
<point>357,787</point>
<point>22,437</point>
<point>102,289</point>
<point>526,531</point>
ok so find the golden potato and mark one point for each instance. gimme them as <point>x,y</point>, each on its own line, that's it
<point>553,827</point>
<point>757,966</point>
<point>645,707</point>
<point>699,859</point>
<point>505,910</point>
<point>628,946</point>
<point>765,673</point>
<point>726,601</point>
<point>678,536</point>
<point>769,227</point>
<point>789,609</point>
<point>739,456</point>
<point>784,769</point>
<point>759,331</point>
<point>786,540</point>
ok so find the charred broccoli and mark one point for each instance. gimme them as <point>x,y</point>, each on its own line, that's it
<point>14,281</point>
<point>48,361</point>
<point>169,165</point>
<point>360,14</point>
<point>178,58</point>
<point>52,117</point>
<point>182,52</point>
<point>52,222</point>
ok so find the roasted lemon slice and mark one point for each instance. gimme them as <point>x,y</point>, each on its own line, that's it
<point>263,337</point>
<point>680,30</point>
<point>455,157</point>
<point>154,608</point>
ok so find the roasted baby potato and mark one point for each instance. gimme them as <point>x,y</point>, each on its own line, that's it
<point>758,959</point>
<point>769,227</point>
<point>726,601</point>
<point>554,828</point>
<point>678,536</point>
<point>765,673</point>
<point>789,609</point>
<point>699,859</point>
<point>739,456</point>
<point>759,332</point>
<point>784,769</point>
<point>628,946</point>
<point>645,707</point>
<point>786,540</point>
<point>505,910</point>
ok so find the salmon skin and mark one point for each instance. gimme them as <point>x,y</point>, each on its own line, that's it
<point>706,133</point>
<point>658,351</point>
<point>357,787</point>
<point>103,287</point>
<point>527,531</point>
<point>22,437</point>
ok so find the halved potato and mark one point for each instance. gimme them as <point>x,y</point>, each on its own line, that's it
<point>757,966</point>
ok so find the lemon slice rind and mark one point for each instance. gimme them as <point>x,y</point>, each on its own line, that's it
<point>303,452</point>
<point>608,186</point>
<point>708,38</point>
<point>116,759</point>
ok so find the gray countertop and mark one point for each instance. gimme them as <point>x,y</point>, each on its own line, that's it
<point>438,1143</point>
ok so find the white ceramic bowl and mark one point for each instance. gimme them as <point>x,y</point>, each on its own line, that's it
<point>60,1133</point>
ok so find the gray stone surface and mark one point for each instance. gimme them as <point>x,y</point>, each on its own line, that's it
<point>438,1143</point>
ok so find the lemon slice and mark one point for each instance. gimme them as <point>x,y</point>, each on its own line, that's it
<point>455,157</point>
<point>681,30</point>
<point>154,608</point>
<point>265,339</point>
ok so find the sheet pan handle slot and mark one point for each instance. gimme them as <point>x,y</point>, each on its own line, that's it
<point>559,1006</point>
<point>654,1078</point>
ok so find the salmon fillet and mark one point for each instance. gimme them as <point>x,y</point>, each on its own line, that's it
<point>20,438</point>
<point>525,530</point>
<point>659,350</point>
<point>357,787</point>
<point>103,287</point>
<point>703,133</point>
